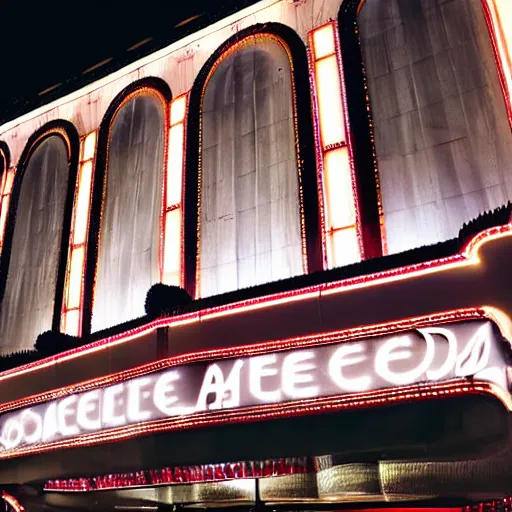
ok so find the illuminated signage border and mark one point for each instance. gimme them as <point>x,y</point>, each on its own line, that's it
<point>468,255</point>
<point>427,355</point>
<point>179,475</point>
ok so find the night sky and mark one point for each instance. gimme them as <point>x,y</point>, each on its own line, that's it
<point>43,44</point>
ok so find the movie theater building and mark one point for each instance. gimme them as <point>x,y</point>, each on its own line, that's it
<point>266,266</point>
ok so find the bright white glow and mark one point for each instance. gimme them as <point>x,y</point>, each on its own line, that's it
<point>449,362</point>
<point>175,165</point>
<point>135,391</point>
<point>3,214</point>
<point>67,408</point>
<point>347,356</point>
<point>399,348</point>
<point>164,396</point>
<point>8,183</point>
<point>30,417</point>
<point>82,204</point>
<point>89,146</point>
<point>112,398</point>
<point>344,247</point>
<point>172,248</point>
<point>297,368</point>
<point>330,107</point>
<point>71,322</point>
<point>341,211</point>
<point>323,41</point>
<point>260,367</point>
<point>89,404</point>
<point>227,393</point>
<point>178,108</point>
<point>74,292</point>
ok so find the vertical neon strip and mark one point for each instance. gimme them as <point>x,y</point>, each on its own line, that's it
<point>7,183</point>
<point>72,305</point>
<point>172,221</point>
<point>337,188</point>
<point>499,21</point>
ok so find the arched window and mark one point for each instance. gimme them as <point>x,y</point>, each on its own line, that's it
<point>250,221</point>
<point>32,252</point>
<point>443,143</point>
<point>128,249</point>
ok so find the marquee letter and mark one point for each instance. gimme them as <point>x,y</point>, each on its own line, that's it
<point>50,427</point>
<point>110,397</point>
<point>64,410</point>
<point>213,382</point>
<point>12,433</point>
<point>163,395</point>
<point>134,412</point>
<point>258,370</point>
<point>345,356</point>
<point>88,403</point>
<point>29,416</point>
<point>294,375</point>
<point>398,349</point>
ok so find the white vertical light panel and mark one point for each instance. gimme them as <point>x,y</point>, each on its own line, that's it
<point>72,304</point>
<point>340,218</point>
<point>7,182</point>
<point>499,14</point>
<point>172,265</point>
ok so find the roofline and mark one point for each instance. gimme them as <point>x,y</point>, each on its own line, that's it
<point>133,66</point>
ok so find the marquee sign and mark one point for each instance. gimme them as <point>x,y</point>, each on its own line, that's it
<point>431,354</point>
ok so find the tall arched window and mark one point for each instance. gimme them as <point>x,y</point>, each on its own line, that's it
<point>250,221</point>
<point>443,143</point>
<point>128,252</point>
<point>33,249</point>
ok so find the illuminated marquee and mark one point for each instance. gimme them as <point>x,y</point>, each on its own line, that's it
<point>430,354</point>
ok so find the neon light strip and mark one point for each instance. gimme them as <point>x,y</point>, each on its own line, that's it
<point>468,257</point>
<point>299,342</point>
<point>498,15</point>
<point>7,182</point>
<point>184,474</point>
<point>273,411</point>
<point>172,271</point>
<point>340,212</point>
<point>12,502</point>
<point>72,304</point>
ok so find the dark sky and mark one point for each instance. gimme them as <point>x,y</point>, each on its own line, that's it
<point>45,43</point>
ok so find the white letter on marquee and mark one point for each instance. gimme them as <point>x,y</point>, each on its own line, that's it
<point>88,403</point>
<point>12,426</point>
<point>392,350</point>
<point>257,371</point>
<point>109,403</point>
<point>50,427</point>
<point>134,412</point>
<point>64,409</point>
<point>349,355</point>
<point>28,416</point>
<point>213,382</point>
<point>294,368</point>
<point>163,394</point>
